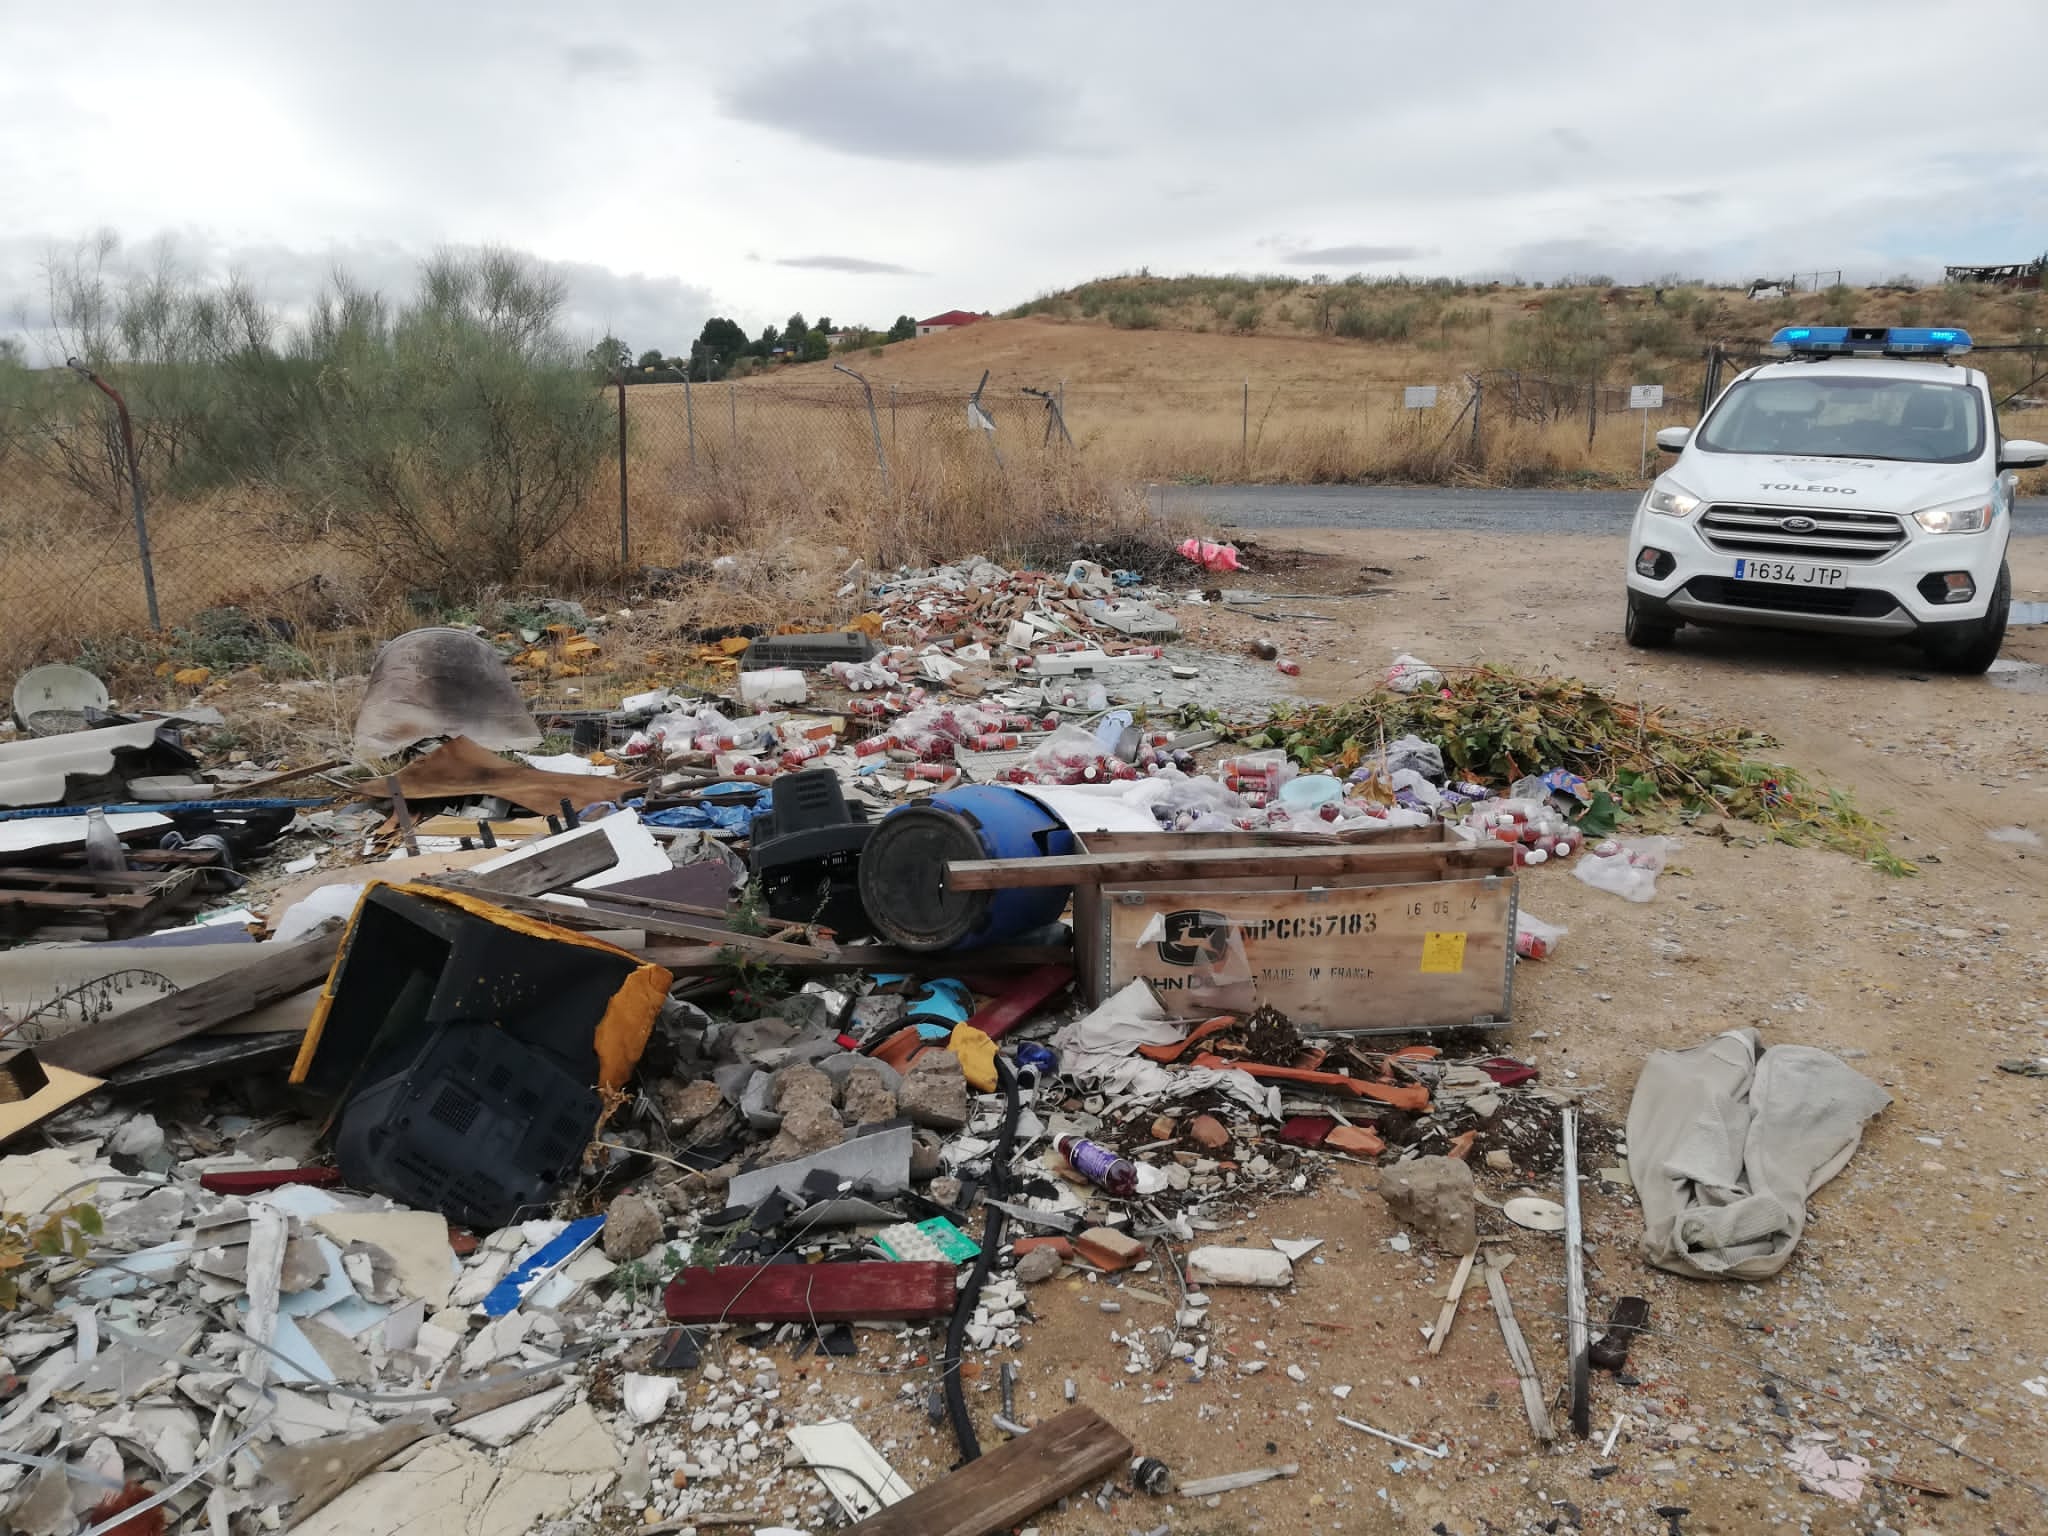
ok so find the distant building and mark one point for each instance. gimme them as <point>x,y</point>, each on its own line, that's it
<point>951,320</point>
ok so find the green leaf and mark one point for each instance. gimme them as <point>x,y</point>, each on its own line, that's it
<point>88,1219</point>
<point>1601,817</point>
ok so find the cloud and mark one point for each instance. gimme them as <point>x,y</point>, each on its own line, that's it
<point>601,61</point>
<point>864,96</point>
<point>858,266</point>
<point>1354,255</point>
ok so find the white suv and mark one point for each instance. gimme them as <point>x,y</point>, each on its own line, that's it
<point>1860,488</point>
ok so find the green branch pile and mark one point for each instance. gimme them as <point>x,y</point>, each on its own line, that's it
<point>1497,726</point>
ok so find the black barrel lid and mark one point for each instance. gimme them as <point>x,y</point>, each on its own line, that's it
<point>902,871</point>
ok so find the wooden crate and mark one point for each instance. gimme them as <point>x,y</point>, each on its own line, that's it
<point>1336,952</point>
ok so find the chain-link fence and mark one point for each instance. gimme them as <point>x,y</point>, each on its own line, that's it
<point>670,474</point>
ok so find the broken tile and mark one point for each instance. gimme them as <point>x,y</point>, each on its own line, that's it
<point>416,1240</point>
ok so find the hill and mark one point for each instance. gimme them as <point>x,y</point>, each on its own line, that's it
<point>1279,379</point>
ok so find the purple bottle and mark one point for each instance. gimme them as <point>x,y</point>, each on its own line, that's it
<point>1100,1166</point>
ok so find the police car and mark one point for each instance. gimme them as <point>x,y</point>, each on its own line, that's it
<point>1859,488</point>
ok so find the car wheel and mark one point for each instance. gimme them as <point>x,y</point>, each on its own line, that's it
<point>1969,649</point>
<point>1646,627</point>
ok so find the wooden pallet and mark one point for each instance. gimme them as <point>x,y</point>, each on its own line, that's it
<point>35,899</point>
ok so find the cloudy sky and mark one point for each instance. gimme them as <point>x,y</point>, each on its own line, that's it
<point>859,160</point>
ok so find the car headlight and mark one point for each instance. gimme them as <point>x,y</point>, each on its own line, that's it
<point>1972,516</point>
<point>1671,500</point>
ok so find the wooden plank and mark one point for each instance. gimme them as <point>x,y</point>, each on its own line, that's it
<point>98,1048</point>
<point>826,959</point>
<point>205,1058</point>
<point>1518,1353</point>
<point>1011,1483</point>
<point>557,862</point>
<point>825,1293</point>
<point>1449,1315</point>
<point>1225,863</point>
<point>1022,998</point>
<point>1434,954</point>
<point>1369,836</point>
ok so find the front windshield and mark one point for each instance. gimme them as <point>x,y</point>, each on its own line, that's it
<point>1841,417</point>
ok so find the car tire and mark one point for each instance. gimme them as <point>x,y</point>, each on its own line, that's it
<point>1648,626</point>
<point>1969,649</point>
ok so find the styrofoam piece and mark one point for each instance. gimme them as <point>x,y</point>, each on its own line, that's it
<point>1239,1266</point>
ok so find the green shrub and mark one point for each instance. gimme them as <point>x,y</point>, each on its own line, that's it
<point>1246,320</point>
<point>1131,315</point>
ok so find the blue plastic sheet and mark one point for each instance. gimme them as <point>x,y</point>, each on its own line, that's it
<point>733,810</point>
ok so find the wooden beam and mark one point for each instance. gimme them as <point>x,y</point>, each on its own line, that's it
<point>98,1048</point>
<point>1449,1315</point>
<point>1226,864</point>
<point>557,862</point>
<point>1518,1353</point>
<point>799,1293</point>
<point>828,959</point>
<point>1011,1483</point>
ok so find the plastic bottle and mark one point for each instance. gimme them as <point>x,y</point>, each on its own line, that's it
<point>104,855</point>
<point>1100,1166</point>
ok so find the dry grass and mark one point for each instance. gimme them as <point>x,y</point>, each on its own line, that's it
<point>779,471</point>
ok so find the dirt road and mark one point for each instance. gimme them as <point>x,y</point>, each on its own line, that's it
<point>1918,1289</point>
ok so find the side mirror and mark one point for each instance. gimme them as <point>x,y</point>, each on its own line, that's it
<point>2016,453</point>
<point>1673,439</point>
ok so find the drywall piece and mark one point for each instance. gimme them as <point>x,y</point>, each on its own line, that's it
<point>879,1162</point>
<point>416,1240</point>
<point>499,1427</point>
<point>852,1470</point>
<point>1239,1266</point>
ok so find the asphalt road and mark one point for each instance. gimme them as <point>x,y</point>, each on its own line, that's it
<point>1459,511</point>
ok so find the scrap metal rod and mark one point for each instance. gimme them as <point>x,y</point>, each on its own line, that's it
<point>1578,1368</point>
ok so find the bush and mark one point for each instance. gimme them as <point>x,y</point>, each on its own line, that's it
<point>1130,315</point>
<point>1246,320</point>
<point>1357,321</point>
<point>446,443</point>
<point>1838,305</point>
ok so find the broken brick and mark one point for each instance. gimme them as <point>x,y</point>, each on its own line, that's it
<point>1106,1248</point>
<point>1358,1140</point>
<point>1207,1131</point>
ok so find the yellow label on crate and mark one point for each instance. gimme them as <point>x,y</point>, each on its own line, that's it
<point>1443,954</point>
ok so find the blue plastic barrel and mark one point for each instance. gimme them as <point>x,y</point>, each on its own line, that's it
<point>902,869</point>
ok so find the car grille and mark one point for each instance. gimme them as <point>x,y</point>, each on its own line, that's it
<point>1836,534</point>
<point>1836,602</point>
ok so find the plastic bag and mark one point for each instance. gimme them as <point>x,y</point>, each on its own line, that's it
<point>1196,963</point>
<point>1416,755</point>
<point>1311,791</point>
<point>1411,674</point>
<point>1534,938</point>
<point>1627,868</point>
<point>1212,557</point>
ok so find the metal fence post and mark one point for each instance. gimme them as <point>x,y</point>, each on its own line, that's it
<point>892,415</point>
<point>625,524</point>
<point>1244,428</point>
<point>874,422</point>
<point>732,402</point>
<point>690,419</point>
<point>1478,399</point>
<point>134,486</point>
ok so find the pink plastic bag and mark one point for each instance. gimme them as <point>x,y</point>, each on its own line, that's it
<point>1212,557</point>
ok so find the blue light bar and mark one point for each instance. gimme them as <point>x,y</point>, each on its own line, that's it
<point>1870,341</point>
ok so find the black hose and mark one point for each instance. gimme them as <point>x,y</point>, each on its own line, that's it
<point>991,1240</point>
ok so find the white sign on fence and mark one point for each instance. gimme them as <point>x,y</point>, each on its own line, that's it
<point>1419,397</point>
<point>1646,397</point>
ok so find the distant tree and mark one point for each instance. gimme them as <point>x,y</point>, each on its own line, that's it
<point>823,327</point>
<point>765,343</point>
<point>905,329</point>
<point>815,347</point>
<point>794,330</point>
<point>651,358</point>
<point>609,356</point>
<point>719,346</point>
